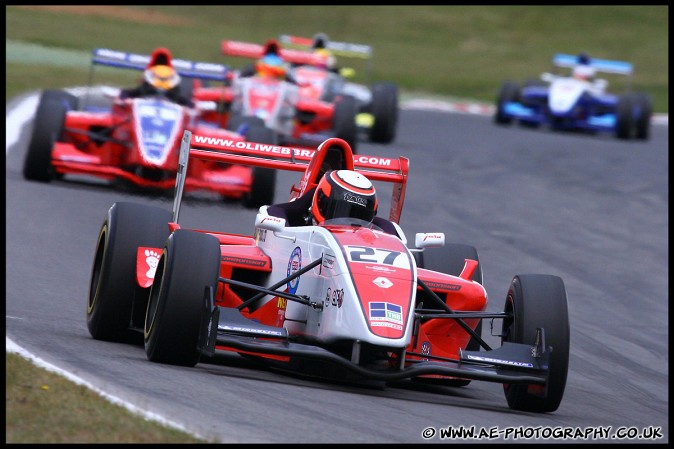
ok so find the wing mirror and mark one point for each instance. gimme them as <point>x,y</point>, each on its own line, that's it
<point>429,239</point>
<point>270,222</point>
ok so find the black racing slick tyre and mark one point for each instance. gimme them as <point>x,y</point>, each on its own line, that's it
<point>48,127</point>
<point>538,301</point>
<point>644,113</point>
<point>344,121</point>
<point>625,123</point>
<point>189,264</point>
<point>264,179</point>
<point>509,92</point>
<point>113,290</point>
<point>451,259</point>
<point>385,112</point>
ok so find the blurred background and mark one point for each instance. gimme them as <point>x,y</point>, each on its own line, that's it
<point>460,52</point>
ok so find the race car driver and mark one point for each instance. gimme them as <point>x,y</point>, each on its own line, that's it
<point>319,45</point>
<point>159,78</point>
<point>343,193</point>
<point>271,64</point>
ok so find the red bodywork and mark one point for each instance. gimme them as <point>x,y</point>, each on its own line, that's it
<point>436,337</point>
<point>122,155</point>
<point>312,115</point>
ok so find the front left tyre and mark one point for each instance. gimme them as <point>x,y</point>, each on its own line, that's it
<point>538,301</point>
<point>113,290</point>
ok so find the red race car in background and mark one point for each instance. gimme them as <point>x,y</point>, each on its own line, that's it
<point>135,141</point>
<point>377,102</point>
<point>296,114</point>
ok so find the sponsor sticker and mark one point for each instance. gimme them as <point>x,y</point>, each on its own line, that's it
<point>386,314</point>
<point>382,282</point>
<point>499,361</point>
<point>328,261</point>
<point>294,265</point>
<point>334,297</point>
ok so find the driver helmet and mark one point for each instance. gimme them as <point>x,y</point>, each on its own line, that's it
<point>583,69</point>
<point>344,193</point>
<point>584,59</point>
<point>271,65</point>
<point>162,77</point>
<point>583,72</point>
<point>320,40</point>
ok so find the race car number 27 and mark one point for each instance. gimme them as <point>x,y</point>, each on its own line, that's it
<point>375,255</point>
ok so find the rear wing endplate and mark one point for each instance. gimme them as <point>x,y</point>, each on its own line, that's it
<point>375,168</point>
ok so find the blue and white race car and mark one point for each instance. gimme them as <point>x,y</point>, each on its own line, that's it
<point>577,102</point>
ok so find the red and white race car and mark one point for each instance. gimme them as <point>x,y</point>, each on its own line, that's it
<point>136,141</point>
<point>299,114</point>
<point>378,107</point>
<point>347,297</point>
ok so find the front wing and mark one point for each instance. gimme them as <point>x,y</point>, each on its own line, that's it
<point>227,329</point>
<point>597,113</point>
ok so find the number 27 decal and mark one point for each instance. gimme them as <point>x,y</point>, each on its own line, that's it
<point>376,255</point>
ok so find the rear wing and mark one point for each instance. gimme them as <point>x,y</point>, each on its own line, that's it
<point>255,51</point>
<point>345,49</point>
<point>340,49</point>
<point>188,69</point>
<point>601,65</point>
<point>375,168</point>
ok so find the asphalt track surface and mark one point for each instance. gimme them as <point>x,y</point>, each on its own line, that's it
<point>590,209</point>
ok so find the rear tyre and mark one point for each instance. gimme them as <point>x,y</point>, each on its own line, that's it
<point>48,127</point>
<point>189,264</point>
<point>264,179</point>
<point>538,300</point>
<point>509,92</point>
<point>113,290</point>
<point>450,259</point>
<point>385,112</point>
<point>344,120</point>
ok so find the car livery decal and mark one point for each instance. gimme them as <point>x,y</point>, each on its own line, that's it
<point>386,314</point>
<point>157,127</point>
<point>426,349</point>
<point>147,260</point>
<point>294,264</point>
<point>382,274</point>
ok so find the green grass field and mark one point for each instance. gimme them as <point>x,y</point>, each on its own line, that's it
<point>461,52</point>
<point>464,52</point>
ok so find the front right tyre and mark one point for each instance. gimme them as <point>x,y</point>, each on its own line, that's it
<point>509,92</point>
<point>48,128</point>
<point>189,264</point>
